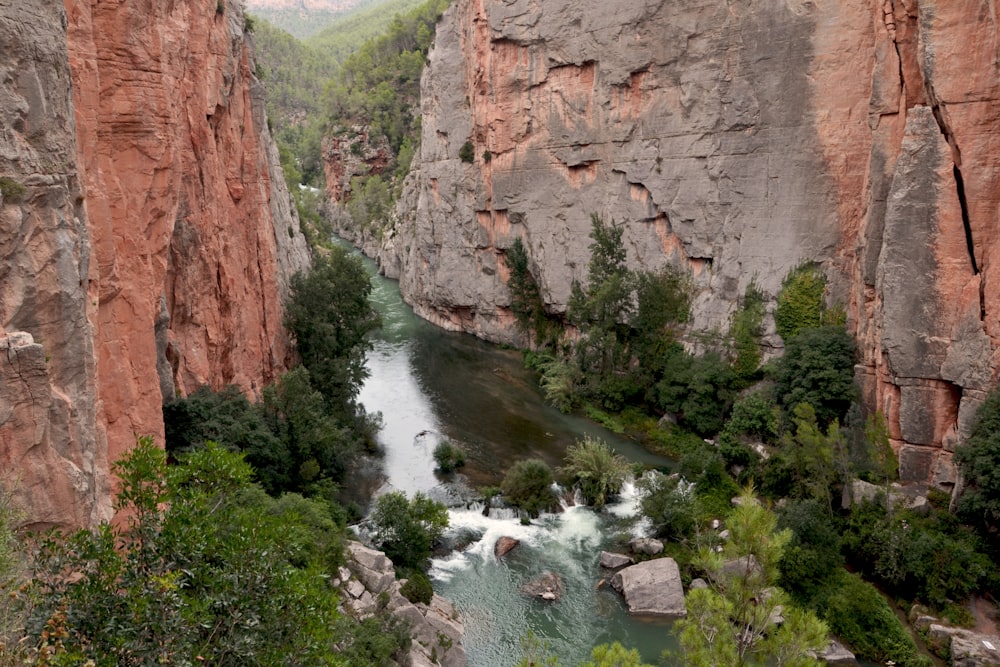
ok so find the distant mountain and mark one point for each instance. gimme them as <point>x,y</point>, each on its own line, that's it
<point>303,18</point>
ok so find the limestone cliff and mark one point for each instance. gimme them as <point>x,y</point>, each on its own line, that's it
<point>148,241</point>
<point>738,140</point>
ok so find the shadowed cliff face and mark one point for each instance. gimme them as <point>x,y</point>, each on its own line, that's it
<point>738,140</point>
<point>154,242</point>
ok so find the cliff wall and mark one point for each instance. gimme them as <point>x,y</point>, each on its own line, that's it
<point>151,240</point>
<point>738,140</point>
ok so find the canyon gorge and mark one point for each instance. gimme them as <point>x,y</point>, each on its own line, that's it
<point>735,140</point>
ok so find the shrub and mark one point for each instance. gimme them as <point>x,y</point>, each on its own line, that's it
<point>406,529</point>
<point>528,485</point>
<point>817,368</point>
<point>813,556</point>
<point>979,461</point>
<point>11,190</point>
<point>670,505</point>
<point>800,302</point>
<point>857,613</point>
<point>449,457</point>
<point>487,156</point>
<point>596,468</point>
<point>467,152</point>
<point>417,589</point>
<point>746,331</point>
<point>933,559</point>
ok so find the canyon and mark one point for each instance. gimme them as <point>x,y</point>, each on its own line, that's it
<point>146,233</point>
<point>738,141</point>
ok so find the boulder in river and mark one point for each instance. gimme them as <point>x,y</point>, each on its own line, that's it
<point>646,546</point>
<point>652,587</point>
<point>613,561</point>
<point>547,586</point>
<point>504,546</point>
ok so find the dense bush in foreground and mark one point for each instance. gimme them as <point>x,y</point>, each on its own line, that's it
<point>208,570</point>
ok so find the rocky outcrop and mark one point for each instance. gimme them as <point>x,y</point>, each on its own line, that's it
<point>369,585</point>
<point>504,545</point>
<point>652,588</point>
<point>149,241</point>
<point>736,140</point>
<point>612,561</point>
<point>547,586</point>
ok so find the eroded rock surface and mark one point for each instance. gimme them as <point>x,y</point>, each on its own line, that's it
<point>652,587</point>
<point>736,140</point>
<point>150,249</point>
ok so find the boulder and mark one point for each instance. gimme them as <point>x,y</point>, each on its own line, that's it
<point>646,546</point>
<point>613,561</point>
<point>739,566</point>
<point>836,655</point>
<point>652,587</point>
<point>698,583</point>
<point>504,546</point>
<point>548,586</point>
<point>966,648</point>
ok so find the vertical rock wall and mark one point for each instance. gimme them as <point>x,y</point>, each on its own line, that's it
<point>738,140</point>
<point>154,243</point>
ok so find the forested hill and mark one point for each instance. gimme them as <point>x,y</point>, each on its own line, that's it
<point>303,18</point>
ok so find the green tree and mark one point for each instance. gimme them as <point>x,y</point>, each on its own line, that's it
<point>817,368</point>
<point>978,460</point>
<point>208,569</point>
<point>330,316</point>
<point>525,298</point>
<point>595,467</point>
<point>406,529</point>
<point>734,621</point>
<point>528,485</point>
<point>746,331</point>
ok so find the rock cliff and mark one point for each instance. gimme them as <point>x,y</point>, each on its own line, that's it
<point>737,140</point>
<point>147,235</point>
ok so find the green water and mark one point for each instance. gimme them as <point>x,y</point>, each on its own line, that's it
<point>430,384</point>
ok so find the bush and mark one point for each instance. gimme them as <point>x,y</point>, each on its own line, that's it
<point>204,571</point>
<point>813,556</point>
<point>528,485</point>
<point>449,457</point>
<point>11,190</point>
<point>596,468</point>
<point>417,589</point>
<point>979,461</point>
<point>467,153</point>
<point>670,505</point>
<point>818,368</point>
<point>800,302</point>
<point>933,559</point>
<point>406,529</point>
<point>858,614</point>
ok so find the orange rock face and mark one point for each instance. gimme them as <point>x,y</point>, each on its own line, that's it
<point>183,244</point>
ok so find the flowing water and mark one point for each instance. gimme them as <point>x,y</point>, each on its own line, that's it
<point>431,385</point>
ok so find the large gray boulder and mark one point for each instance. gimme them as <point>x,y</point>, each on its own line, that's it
<point>646,546</point>
<point>652,588</point>
<point>966,648</point>
<point>613,561</point>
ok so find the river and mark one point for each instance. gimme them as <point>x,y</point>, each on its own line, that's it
<point>428,385</point>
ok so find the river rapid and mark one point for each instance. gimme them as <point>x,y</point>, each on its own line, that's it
<point>430,385</point>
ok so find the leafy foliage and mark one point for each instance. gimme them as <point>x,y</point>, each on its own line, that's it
<point>208,569</point>
<point>933,559</point>
<point>979,461</point>
<point>406,529</point>
<point>800,302</point>
<point>857,613</point>
<point>330,316</point>
<point>732,622</point>
<point>670,505</point>
<point>449,457</point>
<point>817,368</point>
<point>746,331</point>
<point>813,555</point>
<point>528,485</point>
<point>595,467</point>
<point>417,588</point>
<point>467,153</point>
<point>525,298</point>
